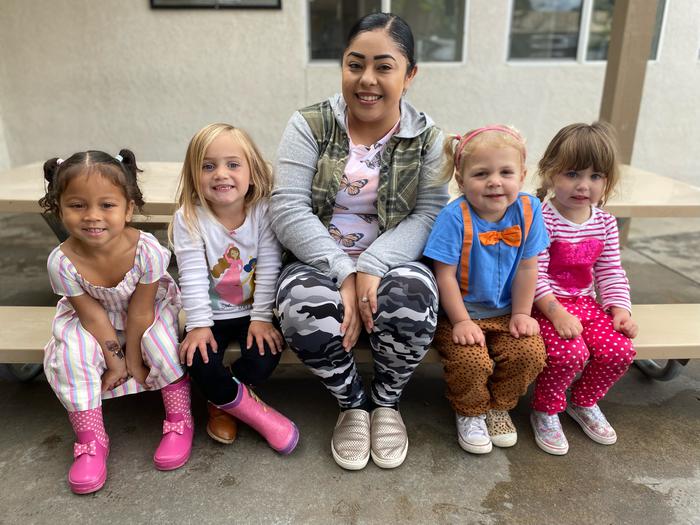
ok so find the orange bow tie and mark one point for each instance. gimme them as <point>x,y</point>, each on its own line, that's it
<point>511,236</point>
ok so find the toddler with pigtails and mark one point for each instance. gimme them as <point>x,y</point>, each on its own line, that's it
<point>579,172</point>
<point>116,328</point>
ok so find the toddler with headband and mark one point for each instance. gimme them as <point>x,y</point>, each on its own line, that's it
<point>484,247</point>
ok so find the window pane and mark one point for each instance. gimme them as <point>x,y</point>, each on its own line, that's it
<point>543,29</point>
<point>330,22</point>
<point>601,24</point>
<point>438,27</point>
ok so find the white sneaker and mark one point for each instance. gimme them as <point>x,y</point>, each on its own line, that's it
<point>472,434</point>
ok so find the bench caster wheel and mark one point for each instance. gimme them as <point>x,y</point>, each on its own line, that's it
<point>24,372</point>
<point>661,369</point>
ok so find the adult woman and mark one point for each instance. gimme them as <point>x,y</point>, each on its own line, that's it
<point>355,198</point>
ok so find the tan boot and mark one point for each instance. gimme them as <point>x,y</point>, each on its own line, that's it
<point>221,427</point>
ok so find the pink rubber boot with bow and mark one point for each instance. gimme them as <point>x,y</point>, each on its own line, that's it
<point>89,470</point>
<point>178,428</point>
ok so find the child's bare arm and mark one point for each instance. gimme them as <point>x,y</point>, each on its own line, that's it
<point>139,317</point>
<point>523,294</point>
<point>94,319</point>
<point>464,330</point>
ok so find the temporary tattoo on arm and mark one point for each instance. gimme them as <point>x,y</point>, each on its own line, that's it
<point>114,347</point>
<point>552,306</point>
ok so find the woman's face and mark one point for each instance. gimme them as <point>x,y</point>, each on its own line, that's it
<point>374,78</point>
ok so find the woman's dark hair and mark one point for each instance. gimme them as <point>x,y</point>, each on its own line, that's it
<point>399,31</point>
<point>120,173</point>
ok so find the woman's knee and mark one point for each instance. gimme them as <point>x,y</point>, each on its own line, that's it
<point>411,286</point>
<point>307,301</point>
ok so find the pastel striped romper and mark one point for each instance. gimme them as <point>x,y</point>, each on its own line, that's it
<point>73,359</point>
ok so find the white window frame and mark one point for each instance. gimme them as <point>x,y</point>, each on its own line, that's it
<point>385,7</point>
<point>583,36</point>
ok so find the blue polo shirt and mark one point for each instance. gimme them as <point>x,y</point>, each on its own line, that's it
<point>491,268</point>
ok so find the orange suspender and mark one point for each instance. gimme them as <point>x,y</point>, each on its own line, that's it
<point>466,248</point>
<point>527,214</point>
<point>469,234</point>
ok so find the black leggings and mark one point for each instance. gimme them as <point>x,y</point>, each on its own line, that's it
<point>216,380</point>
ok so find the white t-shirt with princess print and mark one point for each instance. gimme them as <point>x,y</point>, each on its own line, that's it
<point>227,273</point>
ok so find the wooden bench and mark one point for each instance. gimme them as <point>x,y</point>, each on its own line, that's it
<point>666,331</point>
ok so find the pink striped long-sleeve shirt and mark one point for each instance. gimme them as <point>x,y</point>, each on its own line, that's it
<point>581,258</point>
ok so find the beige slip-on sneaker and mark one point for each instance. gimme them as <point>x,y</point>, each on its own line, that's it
<point>350,444</point>
<point>389,438</point>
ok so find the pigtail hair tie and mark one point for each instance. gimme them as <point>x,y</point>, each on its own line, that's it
<point>59,162</point>
<point>119,157</point>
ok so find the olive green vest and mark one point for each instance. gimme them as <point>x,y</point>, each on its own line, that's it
<point>399,170</point>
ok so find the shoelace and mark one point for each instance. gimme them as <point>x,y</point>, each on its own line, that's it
<point>594,413</point>
<point>549,422</point>
<point>256,398</point>
<point>474,424</point>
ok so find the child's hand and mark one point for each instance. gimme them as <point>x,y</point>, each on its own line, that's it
<point>468,333</point>
<point>523,324</point>
<point>623,322</point>
<point>139,371</point>
<point>567,325</point>
<point>114,376</point>
<point>197,339</point>
<point>264,332</point>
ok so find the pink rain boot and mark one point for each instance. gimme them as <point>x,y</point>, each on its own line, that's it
<point>89,470</point>
<point>281,434</point>
<point>178,428</point>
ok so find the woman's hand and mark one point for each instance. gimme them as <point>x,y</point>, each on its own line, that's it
<point>351,325</point>
<point>197,339</point>
<point>623,322</point>
<point>366,288</point>
<point>263,332</point>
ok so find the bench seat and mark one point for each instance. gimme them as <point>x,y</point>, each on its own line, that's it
<point>666,331</point>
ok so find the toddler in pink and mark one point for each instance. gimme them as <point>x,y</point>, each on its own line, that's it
<point>579,172</point>
<point>116,325</point>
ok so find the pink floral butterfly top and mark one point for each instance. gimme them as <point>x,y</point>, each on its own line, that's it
<point>354,225</point>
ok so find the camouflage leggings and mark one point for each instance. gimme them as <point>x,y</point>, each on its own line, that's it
<point>311,312</point>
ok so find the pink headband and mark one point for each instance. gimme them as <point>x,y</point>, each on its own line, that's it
<point>462,143</point>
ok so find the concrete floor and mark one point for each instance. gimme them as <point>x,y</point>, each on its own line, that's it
<point>652,475</point>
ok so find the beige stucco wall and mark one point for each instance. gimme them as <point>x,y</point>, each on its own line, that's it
<point>82,74</point>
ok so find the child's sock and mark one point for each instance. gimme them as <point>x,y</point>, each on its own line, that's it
<point>89,421</point>
<point>176,400</point>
